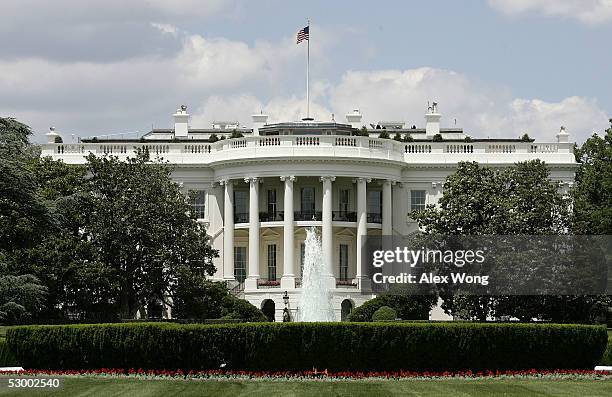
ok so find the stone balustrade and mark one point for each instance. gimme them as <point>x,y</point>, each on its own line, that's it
<point>318,146</point>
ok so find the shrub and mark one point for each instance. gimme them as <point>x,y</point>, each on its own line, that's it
<point>437,138</point>
<point>213,138</point>
<point>526,138</point>
<point>363,131</point>
<point>236,134</point>
<point>607,356</point>
<point>407,307</point>
<point>236,308</point>
<point>408,138</point>
<point>302,346</point>
<point>397,137</point>
<point>383,135</point>
<point>7,359</point>
<point>384,313</point>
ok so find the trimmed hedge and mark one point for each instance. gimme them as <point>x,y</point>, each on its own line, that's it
<point>301,346</point>
<point>7,359</point>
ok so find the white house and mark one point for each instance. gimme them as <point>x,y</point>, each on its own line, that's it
<point>256,194</point>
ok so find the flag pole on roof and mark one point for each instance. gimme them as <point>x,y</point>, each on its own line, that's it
<point>304,34</point>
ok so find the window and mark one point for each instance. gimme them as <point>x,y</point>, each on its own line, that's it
<point>344,201</point>
<point>198,204</point>
<point>271,262</point>
<point>302,256</point>
<point>240,263</point>
<point>343,259</point>
<point>308,201</point>
<point>417,200</point>
<point>272,203</point>
<point>374,202</point>
<point>241,206</point>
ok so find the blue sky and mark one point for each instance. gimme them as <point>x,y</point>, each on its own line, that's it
<point>501,68</point>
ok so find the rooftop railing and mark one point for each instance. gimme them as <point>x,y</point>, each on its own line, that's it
<point>309,146</point>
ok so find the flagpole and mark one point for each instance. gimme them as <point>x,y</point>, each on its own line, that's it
<point>308,74</point>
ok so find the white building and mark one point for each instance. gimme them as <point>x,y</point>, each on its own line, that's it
<point>258,193</point>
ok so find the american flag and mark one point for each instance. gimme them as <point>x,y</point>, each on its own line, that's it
<point>303,34</point>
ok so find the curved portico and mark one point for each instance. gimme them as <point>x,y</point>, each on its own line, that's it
<point>280,207</point>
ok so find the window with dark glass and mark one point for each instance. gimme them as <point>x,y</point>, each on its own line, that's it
<point>198,204</point>
<point>271,262</point>
<point>344,201</point>
<point>343,259</point>
<point>241,206</point>
<point>417,200</point>
<point>272,203</point>
<point>374,203</point>
<point>308,201</point>
<point>240,263</point>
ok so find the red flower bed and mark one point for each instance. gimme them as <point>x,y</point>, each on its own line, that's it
<point>316,374</point>
<point>268,283</point>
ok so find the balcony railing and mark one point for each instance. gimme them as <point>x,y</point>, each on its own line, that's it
<point>344,216</point>
<point>241,217</point>
<point>271,216</point>
<point>374,217</point>
<point>307,216</point>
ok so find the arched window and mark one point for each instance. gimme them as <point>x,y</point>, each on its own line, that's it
<point>268,308</point>
<point>346,309</point>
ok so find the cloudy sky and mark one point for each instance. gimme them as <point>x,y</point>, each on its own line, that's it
<point>500,68</point>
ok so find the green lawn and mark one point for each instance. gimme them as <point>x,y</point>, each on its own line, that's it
<point>449,387</point>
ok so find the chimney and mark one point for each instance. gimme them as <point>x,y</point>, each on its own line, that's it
<point>181,122</point>
<point>432,120</point>
<point>562,136</point>
<point>259,120</point>
<point>53,136</point>
<point>354,119</point>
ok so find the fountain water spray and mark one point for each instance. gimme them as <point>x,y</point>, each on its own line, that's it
<point>315,301</point>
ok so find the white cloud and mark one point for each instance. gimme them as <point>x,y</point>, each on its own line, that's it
<point>165,28</point>
<point>482,110</point>
<point>227,79</point>
<point>586,11</point>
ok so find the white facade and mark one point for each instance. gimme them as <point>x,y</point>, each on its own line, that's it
<point>259,192</point>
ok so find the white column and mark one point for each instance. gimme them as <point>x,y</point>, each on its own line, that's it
<point>288,278</point>
<point>387,220</point>
<point>327,236</point>
<point>228,231</point>
<point>253,274</point>
<point>362,229</point>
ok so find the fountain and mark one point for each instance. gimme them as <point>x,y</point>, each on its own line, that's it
<point>315,302</point>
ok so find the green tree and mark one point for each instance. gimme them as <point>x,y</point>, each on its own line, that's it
<point>23,214</point>
<point>141,228</point>
<point>593,189</point>
<point>79,284</point>
<point>478,200</point>
<point>21,296</point>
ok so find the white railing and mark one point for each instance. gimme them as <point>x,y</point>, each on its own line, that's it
<point>322,145</point>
